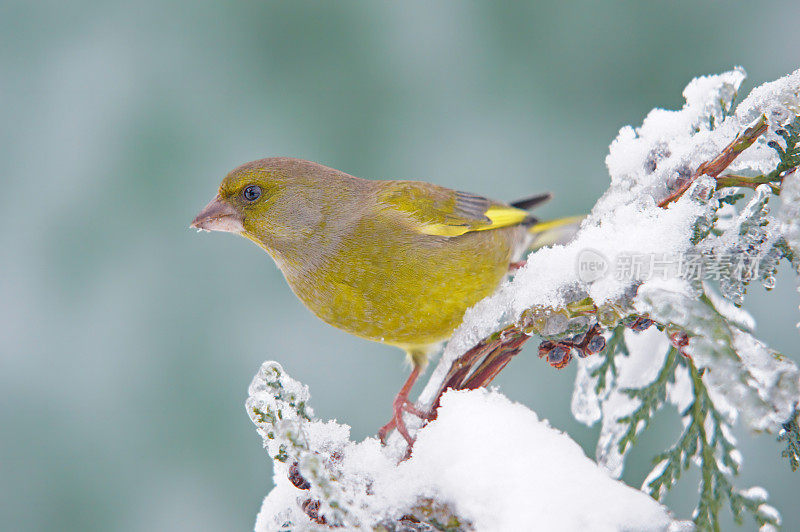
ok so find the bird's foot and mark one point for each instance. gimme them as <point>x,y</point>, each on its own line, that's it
<point>399,407</point>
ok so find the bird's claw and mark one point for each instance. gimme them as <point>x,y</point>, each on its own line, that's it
<point>400,406</point>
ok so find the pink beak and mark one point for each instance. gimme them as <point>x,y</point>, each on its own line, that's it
<point>219,215</point>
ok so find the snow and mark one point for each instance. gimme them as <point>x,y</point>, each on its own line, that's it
<point>643,164</point>
<point>755,493</point>
<point>737,315</point>
<point>493,463</point>
<point>679,393</point>
<point>510,460</point>
<point>773,376</point>
<point>627,220</point>
<point>490,461</point>
<point>776,98</point>
<point>772,513</point>
<point>789,212</point>
<point>647,352</point>
<point>585,405</point>
<point>550,273</point>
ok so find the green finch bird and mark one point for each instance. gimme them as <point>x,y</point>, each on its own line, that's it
<point>397,262</point>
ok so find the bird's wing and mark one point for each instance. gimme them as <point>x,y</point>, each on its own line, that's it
<point>440,211</point>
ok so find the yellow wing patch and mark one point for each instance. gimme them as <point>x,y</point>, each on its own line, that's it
<point>439,211</point>
<point>497,216</point>
<point>504,216</point>
<point>443,229</point>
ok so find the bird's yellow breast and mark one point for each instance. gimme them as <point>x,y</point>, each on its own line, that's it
<point>387,283</point>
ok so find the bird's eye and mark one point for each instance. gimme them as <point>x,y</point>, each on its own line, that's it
<point>252,193</point>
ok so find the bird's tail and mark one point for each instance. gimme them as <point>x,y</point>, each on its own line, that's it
<point>549,232</point>
<point>531,202</point>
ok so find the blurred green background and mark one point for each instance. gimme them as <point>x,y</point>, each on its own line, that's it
<point>127,341</point>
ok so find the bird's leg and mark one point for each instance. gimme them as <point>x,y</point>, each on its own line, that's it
<point>402,404</point>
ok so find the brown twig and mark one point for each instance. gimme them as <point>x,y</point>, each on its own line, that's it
<point>495,361</point>
<point>490,355</point>
<point>718,164</point>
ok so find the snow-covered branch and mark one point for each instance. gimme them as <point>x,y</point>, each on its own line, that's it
<point>684,228</point>
<point>486,463</point>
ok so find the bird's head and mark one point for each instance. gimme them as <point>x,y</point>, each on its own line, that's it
<point>244,198</point>
<point>276,202</point>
